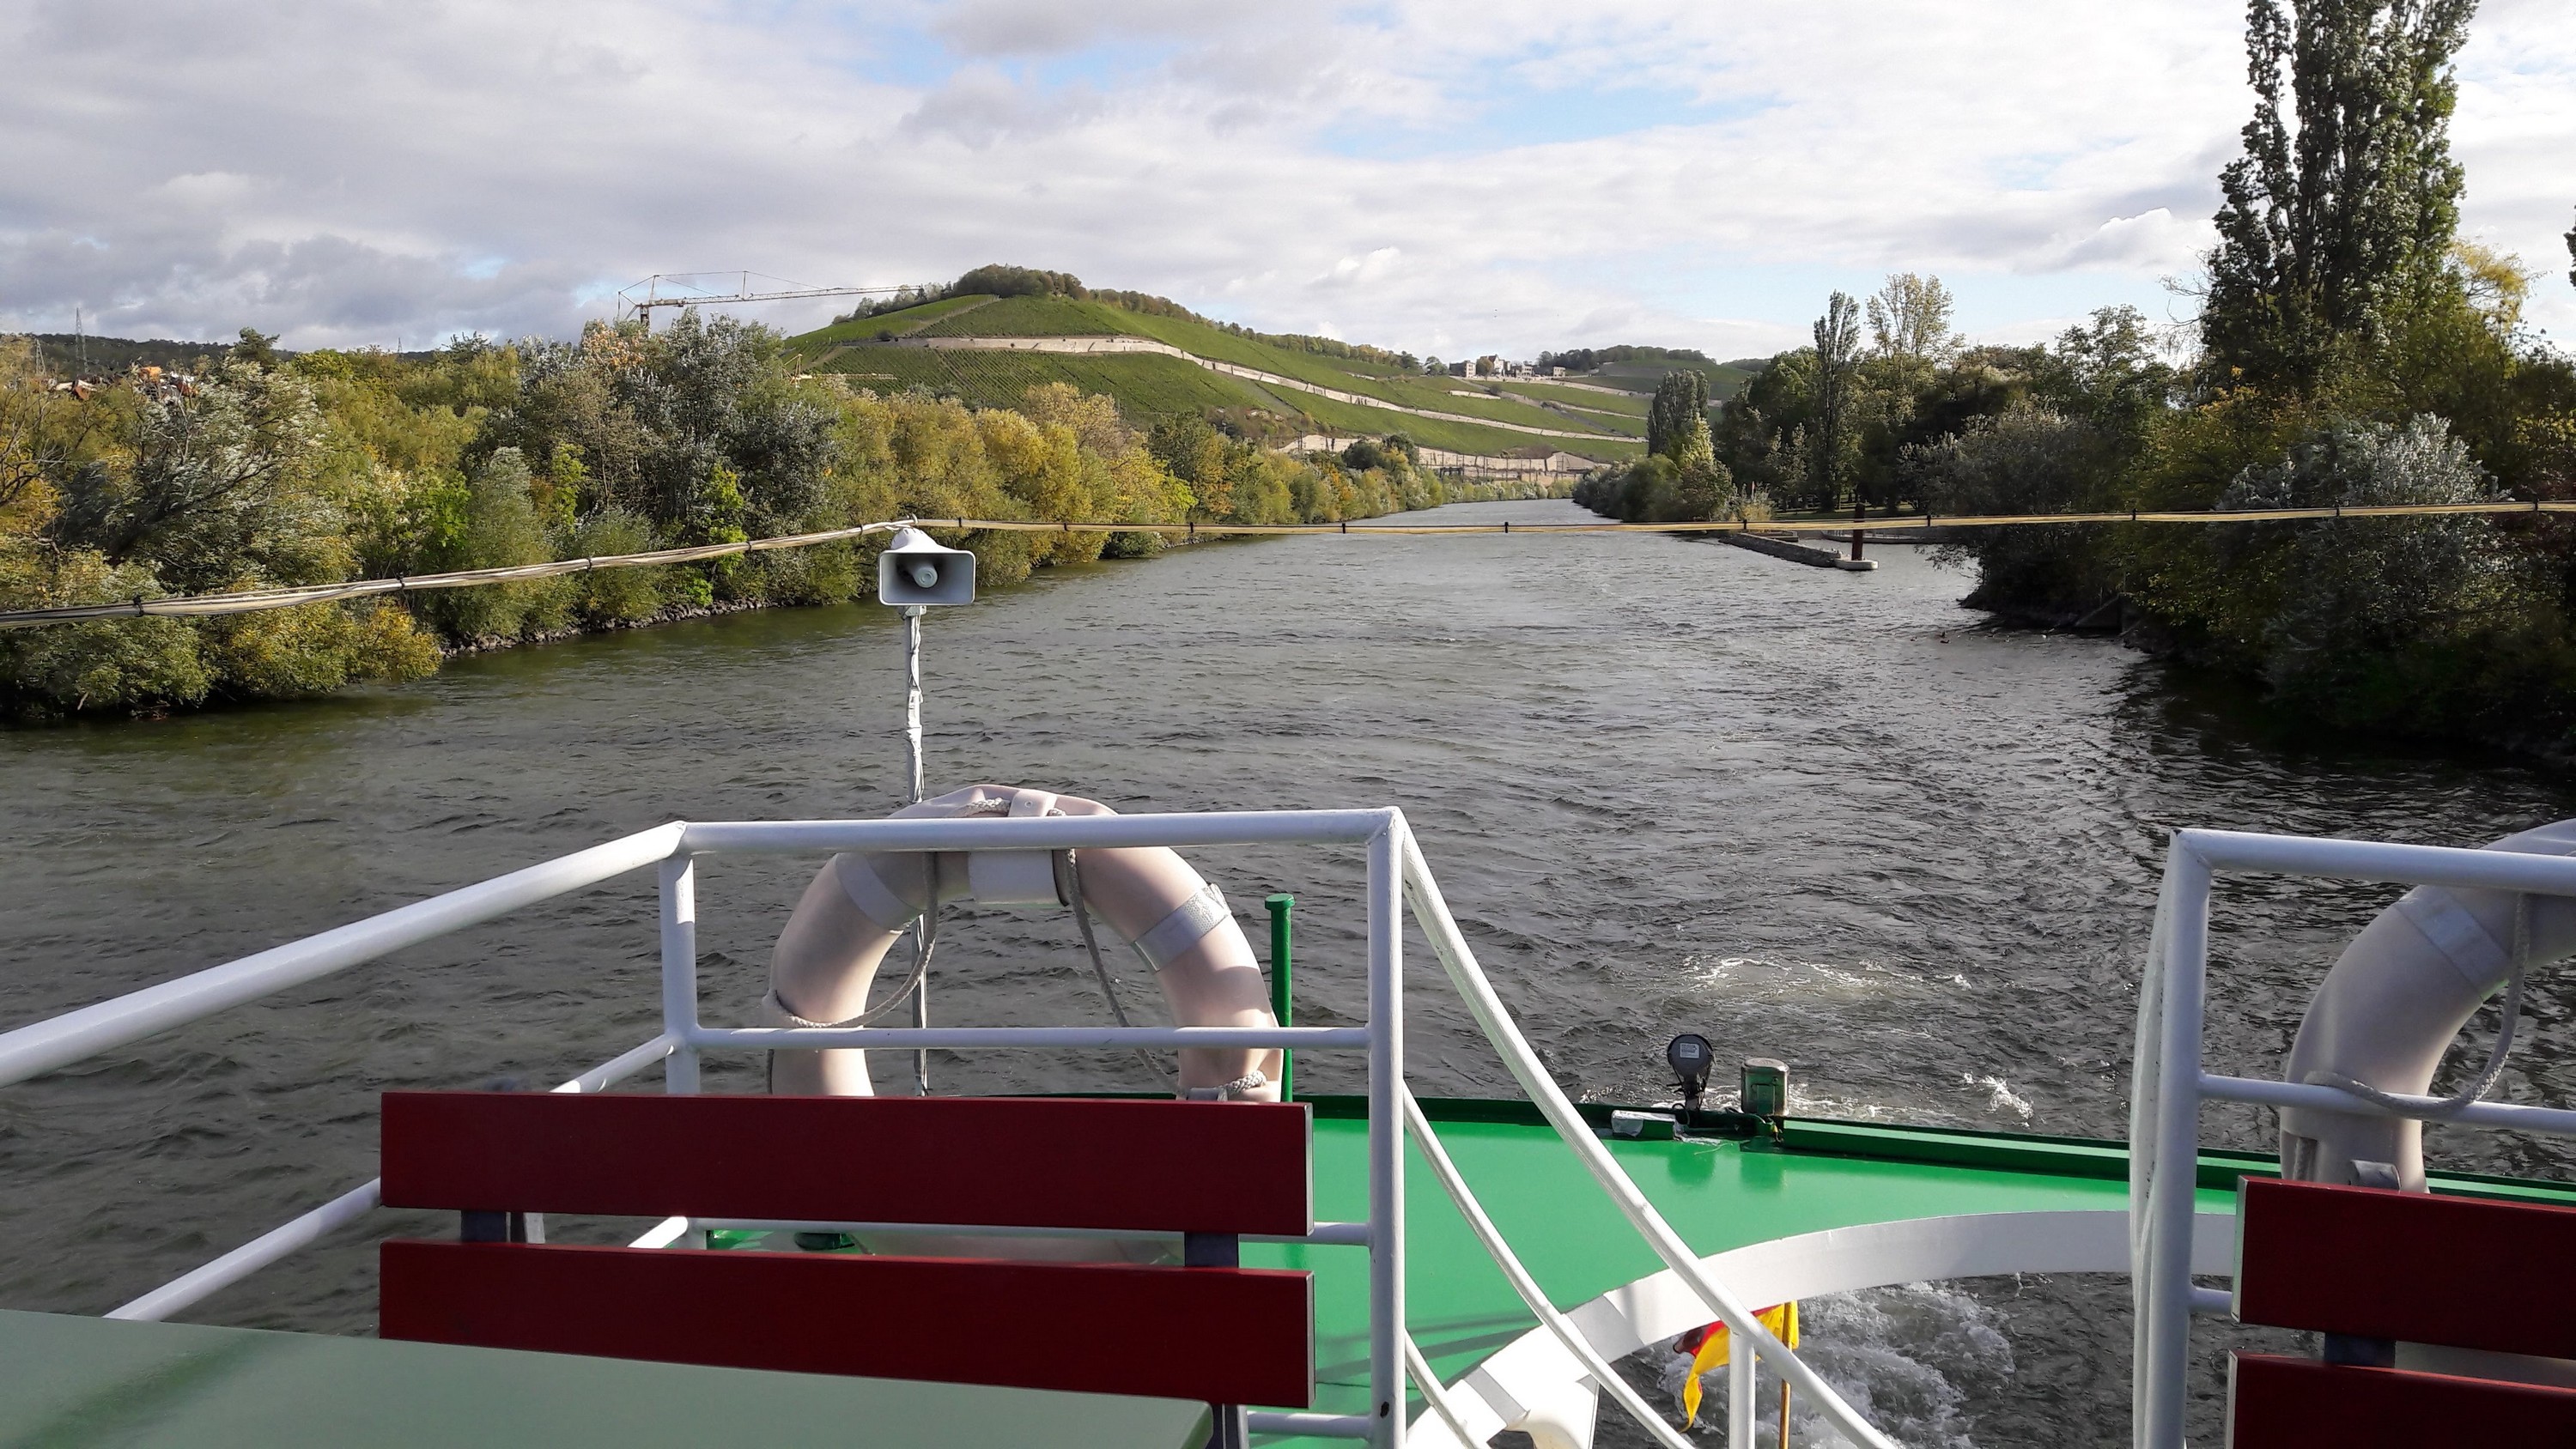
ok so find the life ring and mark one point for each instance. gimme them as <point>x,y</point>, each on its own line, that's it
<point>859,904</point>
<point>2395,1000</point>
<point>2382,1019</point>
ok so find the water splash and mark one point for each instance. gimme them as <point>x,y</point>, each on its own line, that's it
<point>1910,1358</point>
<point>2003,1098</point>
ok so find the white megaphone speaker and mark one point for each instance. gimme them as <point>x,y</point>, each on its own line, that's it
<point>916,570</point>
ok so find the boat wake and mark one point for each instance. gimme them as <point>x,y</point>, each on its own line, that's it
<point>1911,1358</point>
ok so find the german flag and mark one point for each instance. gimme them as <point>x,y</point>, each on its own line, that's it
<point>1708,1349</point>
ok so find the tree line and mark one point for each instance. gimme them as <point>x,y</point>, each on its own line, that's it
<point>2350,348</point>
<point>264,470</point>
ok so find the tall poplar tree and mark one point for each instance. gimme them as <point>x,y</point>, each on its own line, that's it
<point>2339,214</point>
<point>1680,400</point>
<point>1837,355</point>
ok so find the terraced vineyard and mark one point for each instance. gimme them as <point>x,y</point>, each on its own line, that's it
<point>900,324</point>
<point>1034,317</point>
<point>1146,385</point>
<point>1583,399</point>
<point>1150,385</point>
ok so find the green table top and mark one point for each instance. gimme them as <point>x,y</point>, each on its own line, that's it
<point>88,1383</point>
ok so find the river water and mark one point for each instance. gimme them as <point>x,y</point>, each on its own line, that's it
<point>1667,785</point>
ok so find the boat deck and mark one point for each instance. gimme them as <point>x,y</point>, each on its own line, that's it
<point>68,1380</point>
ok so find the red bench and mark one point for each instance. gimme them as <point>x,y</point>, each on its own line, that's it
<point>1219,1333</point>
<point>2369,1267</point>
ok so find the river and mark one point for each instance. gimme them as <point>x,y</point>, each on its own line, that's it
<point>1667,784</point>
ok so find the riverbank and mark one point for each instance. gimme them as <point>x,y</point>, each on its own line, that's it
<point>978,541</point>
<point>337,467</point>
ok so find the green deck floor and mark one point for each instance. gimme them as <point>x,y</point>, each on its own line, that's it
<point>1718,1194</point>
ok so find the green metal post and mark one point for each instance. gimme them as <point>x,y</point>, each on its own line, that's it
<point>1280,906</point>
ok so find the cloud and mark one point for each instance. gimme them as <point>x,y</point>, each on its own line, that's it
<point>1362,270</point>
<point>2153,239</point>
<point>1437,175</point>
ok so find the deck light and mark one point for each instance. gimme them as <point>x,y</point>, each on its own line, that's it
<point>1691,1058</point>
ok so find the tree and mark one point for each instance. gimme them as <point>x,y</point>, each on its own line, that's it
<point>1837,349</point>
<point>1680,400</point>
<point>256,346</point>
<point>2327,234</point>
<point>1909,320</point>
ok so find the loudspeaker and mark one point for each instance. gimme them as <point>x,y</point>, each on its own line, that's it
<point>915,570</point>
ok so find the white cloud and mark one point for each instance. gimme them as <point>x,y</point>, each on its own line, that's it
<point>1438,175</point>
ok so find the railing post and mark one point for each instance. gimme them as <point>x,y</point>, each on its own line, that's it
<point>1386,1131</point>
<point>680,971</point>
<point>1282,1001</point>
<point>2172,1194</point>
<point>1740,1363</point>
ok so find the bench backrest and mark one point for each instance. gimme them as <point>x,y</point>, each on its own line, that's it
<point>1219,1334</point>
<point>1143,1166</point>
<point>2377,1263</point>
<point>2380,1266</point>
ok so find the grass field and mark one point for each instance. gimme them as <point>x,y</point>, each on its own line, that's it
<point>1624,404</point>
<point>1348,419</point>
<point>1725,379</point>
<point>1148,386</point>
<point>1034,317</point>
<point>865,329</point>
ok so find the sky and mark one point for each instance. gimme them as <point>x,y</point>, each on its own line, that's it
<point>1448,177</point>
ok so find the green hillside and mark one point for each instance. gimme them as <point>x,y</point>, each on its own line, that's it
<point>888,324</point>
<point>886,351</point>
<point>1146,386</point>
<point>1725,379</point>
<point>1034,317</point>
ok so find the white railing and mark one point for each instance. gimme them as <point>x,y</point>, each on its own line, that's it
<point>1397,875</point>
<point>2168,1083</point>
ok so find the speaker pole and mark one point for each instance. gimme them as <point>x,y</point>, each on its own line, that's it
<point>912,741</point>
<point>912,696</point>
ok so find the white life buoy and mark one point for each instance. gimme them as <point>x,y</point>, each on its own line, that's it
<point>2384,1016</point>
<point>2395,1000</point>
<point>859,905</point>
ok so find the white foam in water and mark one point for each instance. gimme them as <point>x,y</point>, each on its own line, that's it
<point>2005,1099</point>
<point>1908,1358</point>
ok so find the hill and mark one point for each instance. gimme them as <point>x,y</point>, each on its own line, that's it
<point>63,353</point>
<point>989,350</point>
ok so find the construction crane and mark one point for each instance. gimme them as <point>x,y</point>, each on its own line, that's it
<point>640,299</point>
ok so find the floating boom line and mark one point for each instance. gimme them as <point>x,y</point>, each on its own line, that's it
<point>201,606</point>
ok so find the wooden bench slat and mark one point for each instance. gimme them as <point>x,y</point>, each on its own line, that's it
<point>2296,1403</point>
<point>1211,1167</point>
<point>2376,1263</point>
<point>1218,1335</point>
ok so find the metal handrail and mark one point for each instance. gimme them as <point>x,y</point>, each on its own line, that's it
<point>1432,1391</point>
<point>2168,1083</point>
<point>1436,1156</point>
<point>61,1040</point>
<point>288,1238</point>
<point>1460,961</point>
<point>1397,875</point>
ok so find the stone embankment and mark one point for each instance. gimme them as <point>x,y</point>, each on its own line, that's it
<point>1795,552</point>
<point>1482,465</point>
